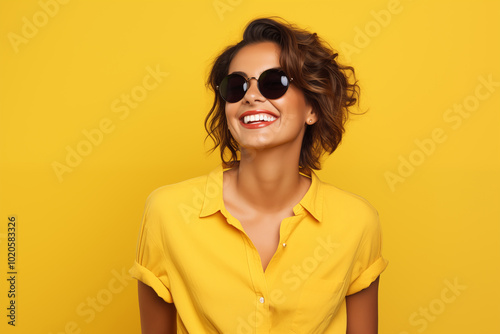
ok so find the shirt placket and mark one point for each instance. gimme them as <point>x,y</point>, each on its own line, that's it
<point>260,321</point>
<point>287,227</point>
<point>263,280</point>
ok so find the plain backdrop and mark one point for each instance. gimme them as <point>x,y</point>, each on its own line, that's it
<point>101,102</point>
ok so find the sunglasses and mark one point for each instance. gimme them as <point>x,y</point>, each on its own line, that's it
<point>272,84</point>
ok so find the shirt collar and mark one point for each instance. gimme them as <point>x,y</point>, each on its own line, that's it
<point>213,200</point>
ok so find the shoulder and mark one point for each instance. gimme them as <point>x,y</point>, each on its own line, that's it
<point>336,196</point>
<point>356,211</point>
<point>177,193</point>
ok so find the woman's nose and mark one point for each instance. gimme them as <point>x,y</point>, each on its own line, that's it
<point>253,93</point>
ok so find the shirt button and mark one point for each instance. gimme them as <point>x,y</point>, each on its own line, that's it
<point>284,244</point>
<point>261,300</point>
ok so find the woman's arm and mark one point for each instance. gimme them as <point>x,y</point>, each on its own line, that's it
<point>157,316</point>
<point>362,310</point>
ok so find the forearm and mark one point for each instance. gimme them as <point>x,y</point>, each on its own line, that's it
<point>157,316</point>
<point>362,310</point>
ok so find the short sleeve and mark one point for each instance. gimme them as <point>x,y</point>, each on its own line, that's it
<point>369,262</point>
<point>150,263</point>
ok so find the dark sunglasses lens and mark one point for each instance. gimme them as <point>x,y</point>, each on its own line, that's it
<point>232,88</point>
<point>273,84</point>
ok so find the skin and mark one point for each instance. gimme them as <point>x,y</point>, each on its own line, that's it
<point>269,162</point>
<point>157,316</point>
<point>266,185</point>
<point>362,310</point>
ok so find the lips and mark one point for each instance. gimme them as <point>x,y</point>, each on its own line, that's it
<point>257,118</point>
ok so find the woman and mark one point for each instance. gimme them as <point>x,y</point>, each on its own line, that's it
<point>261,245</point>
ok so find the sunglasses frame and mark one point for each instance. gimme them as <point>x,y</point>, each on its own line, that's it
<point>247,81</point>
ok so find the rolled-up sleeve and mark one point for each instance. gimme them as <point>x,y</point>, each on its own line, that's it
<point>150,265</point>
<point>369,262</point>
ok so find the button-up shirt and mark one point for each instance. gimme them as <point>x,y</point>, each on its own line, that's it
<point>194,253</point>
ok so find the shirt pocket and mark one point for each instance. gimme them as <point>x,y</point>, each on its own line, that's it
<point>318,303</point>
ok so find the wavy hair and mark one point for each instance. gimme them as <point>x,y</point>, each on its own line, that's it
<point>330,87</point>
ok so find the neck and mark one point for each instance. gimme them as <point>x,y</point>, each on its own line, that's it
<point>268,181</point>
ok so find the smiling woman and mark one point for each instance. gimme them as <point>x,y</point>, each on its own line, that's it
<point>261,244</point>
<point>311,67</point>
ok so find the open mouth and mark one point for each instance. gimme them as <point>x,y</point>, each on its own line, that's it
<point>257,118</point>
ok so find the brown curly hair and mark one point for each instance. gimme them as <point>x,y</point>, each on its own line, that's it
<point>331,88</point>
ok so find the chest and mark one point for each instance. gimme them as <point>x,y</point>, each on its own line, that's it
<point>264,232</point>
<point>229,272</point>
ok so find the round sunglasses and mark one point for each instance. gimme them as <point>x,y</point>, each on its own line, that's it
<point>272,84</point>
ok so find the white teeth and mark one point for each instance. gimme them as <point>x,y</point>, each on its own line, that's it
<point>258,117</point>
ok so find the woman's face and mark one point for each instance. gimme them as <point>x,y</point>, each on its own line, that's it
<point>291,111</point>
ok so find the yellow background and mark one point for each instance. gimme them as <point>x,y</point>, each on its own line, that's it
<point>441,225</point>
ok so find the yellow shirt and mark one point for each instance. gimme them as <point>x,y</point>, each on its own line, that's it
<point>193,253</point>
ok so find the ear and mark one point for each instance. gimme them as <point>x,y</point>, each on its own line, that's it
<point>311,115</point>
